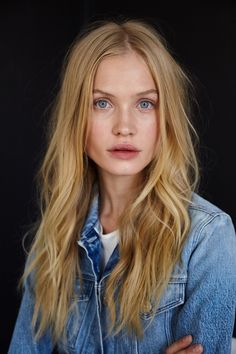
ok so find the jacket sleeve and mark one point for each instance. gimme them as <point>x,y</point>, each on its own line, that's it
<point>23,341</point>
<point>209,310</point>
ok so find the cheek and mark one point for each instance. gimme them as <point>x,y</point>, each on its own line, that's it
<point>96,135</point>
<point>152,138</point>
<point>97,127</point>
<point>153,134</point>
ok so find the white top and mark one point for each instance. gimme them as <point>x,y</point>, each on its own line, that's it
<point>233,349</point>
<point>109,242</point>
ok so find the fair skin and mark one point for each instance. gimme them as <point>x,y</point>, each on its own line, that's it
<point>122,138</point>
<point>123,113</point>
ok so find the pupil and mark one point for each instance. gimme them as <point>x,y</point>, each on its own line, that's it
<point>102,104</point>
<point>144,104</point>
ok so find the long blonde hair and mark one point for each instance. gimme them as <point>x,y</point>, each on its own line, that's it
<point>154,226</point>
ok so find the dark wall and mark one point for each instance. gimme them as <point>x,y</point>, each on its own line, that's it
<point>34,38</point>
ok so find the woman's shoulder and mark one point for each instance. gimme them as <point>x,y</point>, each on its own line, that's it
<point>200,204</point>
<point>210,227</point>
<point>211,240</point>
<point>202,212</point>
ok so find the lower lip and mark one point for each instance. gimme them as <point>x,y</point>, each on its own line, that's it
<point>124,154</point>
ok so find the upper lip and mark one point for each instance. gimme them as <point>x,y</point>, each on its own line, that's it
<point>123,147</point>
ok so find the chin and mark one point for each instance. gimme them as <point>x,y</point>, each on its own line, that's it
<point>126,172</point>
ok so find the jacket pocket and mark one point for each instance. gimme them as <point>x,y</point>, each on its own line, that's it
<point>172,297</point>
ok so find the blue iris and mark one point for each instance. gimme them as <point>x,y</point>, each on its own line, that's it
<point>145,104</point>
<point>101,104</point>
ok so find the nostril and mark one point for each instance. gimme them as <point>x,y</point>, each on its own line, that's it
<point>123,131</point>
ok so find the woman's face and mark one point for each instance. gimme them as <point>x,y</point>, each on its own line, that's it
<point>123,126</point>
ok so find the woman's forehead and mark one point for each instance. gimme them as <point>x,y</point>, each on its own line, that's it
<point>127,71</point>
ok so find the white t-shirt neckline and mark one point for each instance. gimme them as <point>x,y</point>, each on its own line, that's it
<point>109,242</point>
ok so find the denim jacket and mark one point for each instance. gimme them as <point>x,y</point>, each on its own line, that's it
<point>200,298</point>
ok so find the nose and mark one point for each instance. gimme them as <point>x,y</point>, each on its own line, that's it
<point>124,124</point>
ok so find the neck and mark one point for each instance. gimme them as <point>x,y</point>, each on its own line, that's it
<point>115,193</point>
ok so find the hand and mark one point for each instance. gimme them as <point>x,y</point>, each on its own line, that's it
<point>183,346</point>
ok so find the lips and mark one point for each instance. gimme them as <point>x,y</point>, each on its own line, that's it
<point>124,151</point>
<point>124,147</point>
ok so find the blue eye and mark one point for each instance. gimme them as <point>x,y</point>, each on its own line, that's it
<point>146,105</point>
<point>103,104</point>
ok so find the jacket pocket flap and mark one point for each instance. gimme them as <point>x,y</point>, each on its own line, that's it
<point>172,297</point>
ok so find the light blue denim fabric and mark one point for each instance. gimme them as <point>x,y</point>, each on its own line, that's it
<point>200,298</point>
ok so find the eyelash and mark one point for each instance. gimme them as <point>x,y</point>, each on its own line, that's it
<point>105,100</point>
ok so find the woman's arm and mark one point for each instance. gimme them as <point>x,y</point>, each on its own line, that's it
<point>209,310</point>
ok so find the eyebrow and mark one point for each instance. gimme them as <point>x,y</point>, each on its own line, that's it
<point>138,94</point>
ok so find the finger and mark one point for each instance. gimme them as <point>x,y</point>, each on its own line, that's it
<point>182,343</point>
<point>195,348</point>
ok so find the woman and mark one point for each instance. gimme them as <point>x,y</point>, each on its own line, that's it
<point>126,258</point>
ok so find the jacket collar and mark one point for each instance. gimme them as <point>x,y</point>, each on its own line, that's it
<point>90,241</point>
<point>92,220</point>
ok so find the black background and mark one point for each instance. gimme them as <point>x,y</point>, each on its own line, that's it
<point>34,37</point>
